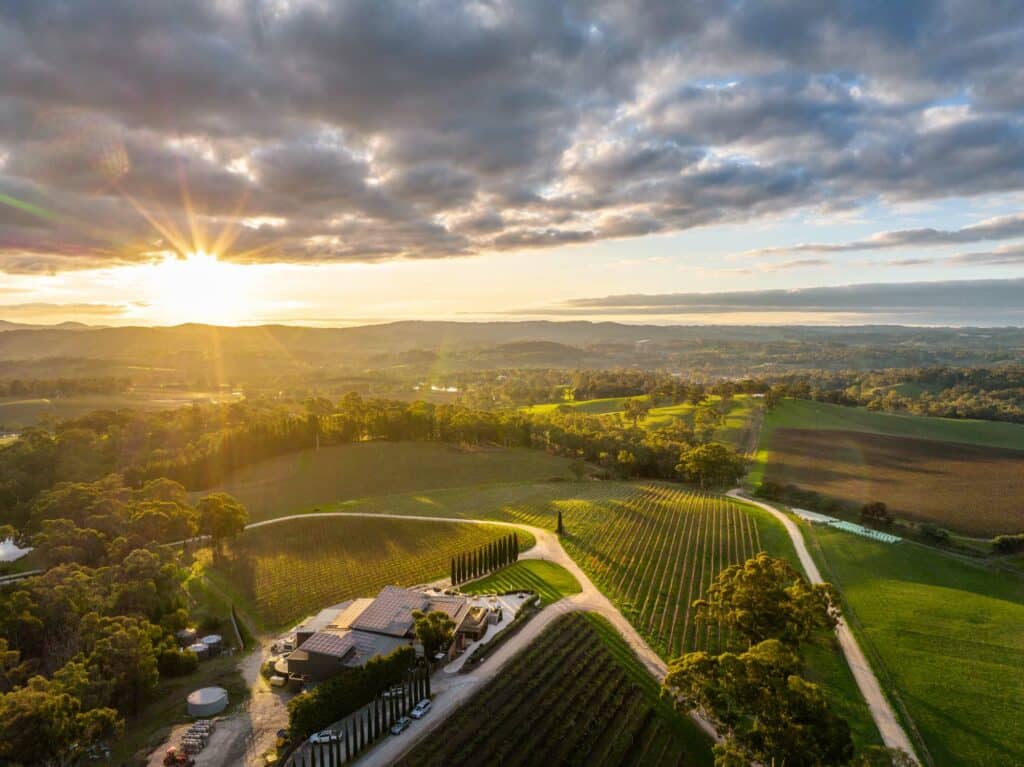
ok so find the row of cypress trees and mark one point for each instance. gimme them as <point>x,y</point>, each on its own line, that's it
<point>486,559</point>
<point>363,729</point>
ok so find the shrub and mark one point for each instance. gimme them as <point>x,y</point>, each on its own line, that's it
<point>1008,544</point>
<point>174,662</point>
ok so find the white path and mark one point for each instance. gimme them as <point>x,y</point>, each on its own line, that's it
<point>888,725</point>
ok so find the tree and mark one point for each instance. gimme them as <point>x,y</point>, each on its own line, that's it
<point>578,468</point>
<point>434,630</point>
<point>560,529</point>
<point>764,711</point>
<point>636,409</point>
<point>41,723</point>
<point>876,511</point>
<point>221,517</point>
<point>711,465</point>
<point>766,598</point>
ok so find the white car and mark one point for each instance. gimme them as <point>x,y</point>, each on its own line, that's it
<point>278,681</point>
<point>325,736</point>
<point>400,726</point>
<point>421,709</point>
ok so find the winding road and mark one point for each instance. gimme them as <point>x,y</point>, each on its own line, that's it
<point>453,690</point>
<point>892,732</point>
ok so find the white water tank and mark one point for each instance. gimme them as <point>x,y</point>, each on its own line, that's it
<point>207,701</point>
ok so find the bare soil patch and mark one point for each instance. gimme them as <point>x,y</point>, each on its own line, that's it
<point>969,488</point>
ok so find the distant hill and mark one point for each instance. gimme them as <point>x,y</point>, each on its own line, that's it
<point>196,351</point>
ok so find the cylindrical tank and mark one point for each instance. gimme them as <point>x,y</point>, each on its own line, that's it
<point>207,701</point>
<point>213,642</point>
<point>201,650</point>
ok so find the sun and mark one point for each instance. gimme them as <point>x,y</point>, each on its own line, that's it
<point>198,288</point>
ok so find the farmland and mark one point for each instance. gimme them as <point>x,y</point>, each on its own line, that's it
<point>945,635</point>
<point>956,473</point>
<point>17,413</point>
<point>732,431</point>
<point>298,481</point>
<point>969,488</point>
<point>570,698</point>
<point>285,571</point>
<point>550,581</point>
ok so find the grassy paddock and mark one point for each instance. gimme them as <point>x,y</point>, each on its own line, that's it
<point>292,483</point>
<point>573,697</point>
<point>283,572</point>
<point>948,637</point>
<point>551,582</point>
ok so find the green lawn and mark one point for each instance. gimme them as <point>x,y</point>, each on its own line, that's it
<point>551,582</point>
<point>946,635</point>
<point>294,483</point>
<point>588,406</point>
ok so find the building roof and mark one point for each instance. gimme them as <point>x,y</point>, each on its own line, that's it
<point>454,607</point>
<point>391,612</point>
<point>324,618</point>
<point>353,648</point>
<point>349,615</point>
<point>338,645</point>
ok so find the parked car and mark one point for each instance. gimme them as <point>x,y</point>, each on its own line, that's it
<point>394,692</point>
<point>325,736</point>
<point>420,709</point>
<point>401,725</point>
<point>278,681</point>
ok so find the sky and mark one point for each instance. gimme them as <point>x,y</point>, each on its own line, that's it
<point>334,163</point>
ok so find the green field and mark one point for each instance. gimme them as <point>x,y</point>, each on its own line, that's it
<point>17,413</point>
<point>733,430</point>
<point>283,572</point>
<point>946,635</point>
<point>573,697</point>
<point>294,483</point>
<point>805,414</point>
<point>551,582</point>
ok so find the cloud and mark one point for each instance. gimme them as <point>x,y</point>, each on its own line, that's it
<point>55,312</point>
<point>948,302</point>
<point>999,228</point>
<point>376,129</point>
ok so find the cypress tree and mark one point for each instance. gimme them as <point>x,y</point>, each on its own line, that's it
<point>454,578</point>
<point>315,755</point>
<point>560,529</point>
<point>336,754</point>
<point>426,679</point>
<point>348,740</point>
<point>515,547</point>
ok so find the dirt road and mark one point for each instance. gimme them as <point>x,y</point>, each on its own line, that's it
<point>888,725</point>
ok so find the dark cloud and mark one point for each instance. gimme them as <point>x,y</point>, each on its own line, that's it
<point>373,129</point>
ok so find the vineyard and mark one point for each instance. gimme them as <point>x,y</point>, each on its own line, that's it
<point>569,698</point>
<point>286,571</point>
<point>652,547</point>
<point>656,552</point>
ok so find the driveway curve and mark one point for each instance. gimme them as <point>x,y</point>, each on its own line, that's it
<point>892,732</point>
<point>453,692</point>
